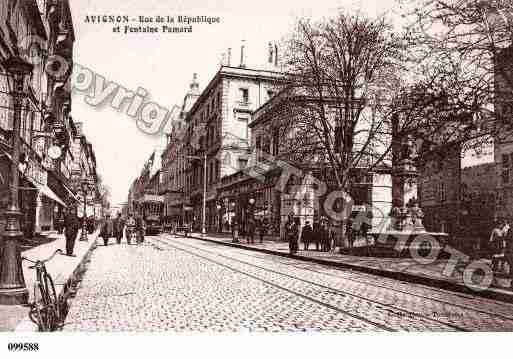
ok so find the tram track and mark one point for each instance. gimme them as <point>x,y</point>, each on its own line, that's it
<point>441,291</point>
<point>390,307</point>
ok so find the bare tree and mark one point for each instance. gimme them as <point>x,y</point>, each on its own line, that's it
<point>469,43</point>
<point>337,94</point>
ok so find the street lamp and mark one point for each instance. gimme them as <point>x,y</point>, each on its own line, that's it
<point>85,187</point>
<point>252,207</point>
<point>203,224</point>
<point>13,289</point>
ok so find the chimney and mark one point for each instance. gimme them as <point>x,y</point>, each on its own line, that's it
<point>242,55</point>
<point>229,63</point>
<point>194,83</point>
<point>275,55</point>
<point>223,59</point>
<point>270,52</point>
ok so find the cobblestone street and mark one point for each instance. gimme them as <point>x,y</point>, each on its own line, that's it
<point>184,284</point>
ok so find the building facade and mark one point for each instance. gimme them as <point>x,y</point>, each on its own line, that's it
<point>214,124</point>
<point>503,145</point>
<point>41,33</point>
<point>228,128</point>
<point>439,189</point>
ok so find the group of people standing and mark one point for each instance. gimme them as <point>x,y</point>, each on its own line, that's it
<point>253,227</point>
<point>501,243</point>
<point>318,234</point>
<point>117,226</point>
<point>132,226</point>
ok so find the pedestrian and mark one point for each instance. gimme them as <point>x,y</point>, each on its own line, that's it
<point>497,245</point>
<point>71,225</point>
<point>106,230</point>
<point>316,234</point>
<point>324,235</point>
<point>251,231</point>
<point>118,225</point>
<point>508,254</point>
<point>130,228</point>
<point>140,228</point>
<point>350,233</point>
<point>235,230</point>
<point>306,235</point>
<point>291,233</point>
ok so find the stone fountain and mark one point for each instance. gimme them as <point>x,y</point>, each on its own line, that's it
<point>404,233</point>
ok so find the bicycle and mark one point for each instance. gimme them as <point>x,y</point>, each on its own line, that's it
<point>45,311</point>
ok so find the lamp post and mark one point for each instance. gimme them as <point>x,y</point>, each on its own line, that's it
<point>13,289</point>
<point>252,207</point>
<point>203,219</point>
<point>85,186</point>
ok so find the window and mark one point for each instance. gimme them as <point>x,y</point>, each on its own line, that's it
<point>246,121</point>
<point>244,95</point>
<point>276,141</point>
<point>505,168</point>
<point>441,191</point>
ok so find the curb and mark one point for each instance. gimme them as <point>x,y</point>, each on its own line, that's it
<point>495,293</point>
<point>26,325</point>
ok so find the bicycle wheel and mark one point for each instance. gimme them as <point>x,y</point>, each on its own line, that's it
<point>37,313</point>
<point>53,303</point>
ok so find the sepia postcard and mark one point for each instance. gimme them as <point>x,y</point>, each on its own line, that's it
<point>254,169</point>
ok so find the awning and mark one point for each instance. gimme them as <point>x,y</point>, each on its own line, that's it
<point>48,192</point>
<point>71,194</point>
<point>44,189</point>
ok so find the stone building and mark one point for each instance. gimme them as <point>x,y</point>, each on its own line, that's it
<point>215,124</point>
<point>276,184</point>
<point>439,188</point>
<point>503,145</point>
<point>478,201</point>
<point>41,33</point>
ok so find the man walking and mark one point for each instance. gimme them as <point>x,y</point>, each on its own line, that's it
<point>71,225</point>
<point>118,228</point>
<point>107,230</point>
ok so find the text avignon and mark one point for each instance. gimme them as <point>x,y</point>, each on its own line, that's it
<point>95,19</point>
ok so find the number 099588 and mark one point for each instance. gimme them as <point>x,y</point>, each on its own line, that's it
<point>23,347</point>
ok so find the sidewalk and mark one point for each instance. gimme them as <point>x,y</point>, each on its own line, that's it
<point>405,269</point>
<point>61,268</point>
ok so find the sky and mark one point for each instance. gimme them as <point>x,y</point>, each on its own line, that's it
<point>163,64</point>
